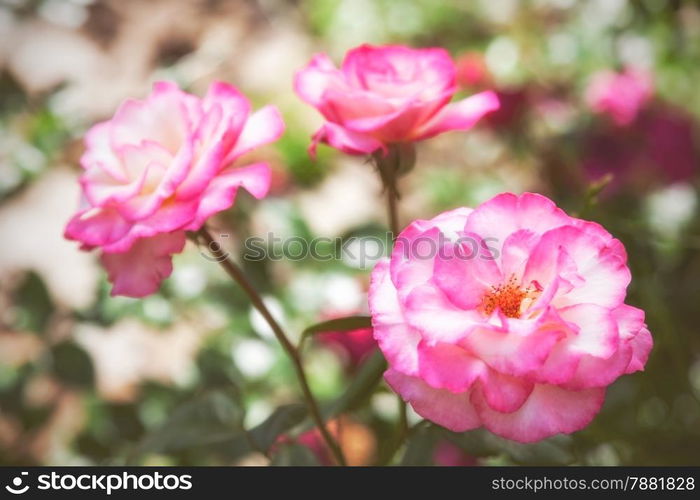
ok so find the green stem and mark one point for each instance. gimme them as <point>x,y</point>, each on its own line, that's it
<point>399,160</point>
<point>240,278</point>
<point>392,209</point>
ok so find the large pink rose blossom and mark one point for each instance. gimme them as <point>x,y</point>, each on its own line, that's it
<point>510,316</point>
<point>386,95</point>
<point>620,95</point>
<point>161,167</point>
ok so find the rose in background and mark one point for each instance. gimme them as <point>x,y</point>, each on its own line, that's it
<point>387,95</point>
<point>472,71</point>
<point>354,346</point>
<point>161,167</point>
<point>518,324</point>
<point>357,441</point>
<point>644,142</point>
<point>620,95</point>
<point>447,454</point>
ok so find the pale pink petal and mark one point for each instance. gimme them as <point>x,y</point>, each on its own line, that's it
<point>358,110</point>
<point>98,151</point>
<point>634,331</point>
<point>551,266</point>
<point>641,348</point>
<point>220,193</point>
<point>504,393</point>
<point>601,267</point>
<point>320,74</point>
<point>560,366</point>
<point>162,117</point>
<point>412,259</point>
<point>206,168</point>
<point>100,187</point>
<point>447,366</point>
<point>596,330</point>
<point>597,372</point>
<point>517,348</point>
<point>144,164</point>
<point>592,371</point>
<point>234,105</point>
<point>146,204</point>
<point>461,115</point>
<point>170,216</point>
<point>549,410</point>
<point>392,125</point>
<point>136,158</point>
<point>139,272</point>
<point>349,142</point>
<point>452,411</point>
<point>217,135</point>
<point>400,71</point>
<point>263,126</point>
<point>515,252</point>
<point>595,229</point>
<point>428,310</point>
<point>506,213</point>
<point>397,340</point>
<point>465,272</point>
<point>411,264</point>
<point>97,226</point>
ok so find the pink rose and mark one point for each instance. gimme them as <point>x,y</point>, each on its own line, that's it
<point>620,95</point>
<point>385,95</point>
<point>161,167</point>
<point>510,316</point>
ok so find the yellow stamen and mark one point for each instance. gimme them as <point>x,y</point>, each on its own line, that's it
<point>509,298</point>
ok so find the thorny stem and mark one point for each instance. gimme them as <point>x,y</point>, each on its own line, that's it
<point>240,278</point>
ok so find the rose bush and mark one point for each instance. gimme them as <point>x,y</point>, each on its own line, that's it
<point>386,95</point>
<point>161,167</point>
<point>517,323</point>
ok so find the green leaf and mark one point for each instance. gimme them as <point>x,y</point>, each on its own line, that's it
<point>284,418</point>
<point>72,365</point>
<point>294,454</point>
<point>211,418</point>
<point>551,451</point>
<point>361,387</point>
<point>420,446</point>
<point>337,325</point>
<point>481,443</point>
<point>34,304</point>
<point>477,443</point>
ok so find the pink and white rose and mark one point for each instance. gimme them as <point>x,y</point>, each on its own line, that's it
<point>161,167</point>
<point>386,95</point>
<point>510,316</point>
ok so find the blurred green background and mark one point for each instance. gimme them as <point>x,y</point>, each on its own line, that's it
<point>190,375</point>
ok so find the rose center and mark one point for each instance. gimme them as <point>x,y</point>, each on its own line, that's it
<point>510,297</point>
